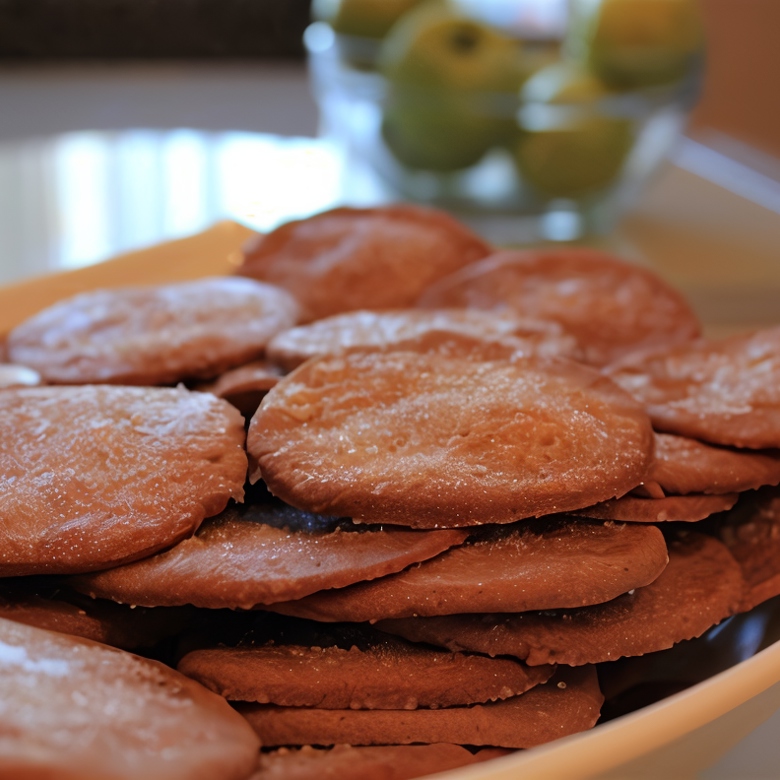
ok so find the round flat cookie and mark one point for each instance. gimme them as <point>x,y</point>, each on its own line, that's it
<point>684,465</point>
<point>383,762</point>
<point>724,392</point>
<point>94,476</point>
<point>751,531</point>
<point>71,709</point>
<point>677,509</point>
<point>349,259</point>
<point>263,553</point>
<point>389,329</point>
<point>610,306</point>
<point>569,703</point>
<point>46,605</point>
<point>384,673</point>
<point>427,440</point>
<point>534,565</point>
<point>153,335</point>
<point>701,586</point>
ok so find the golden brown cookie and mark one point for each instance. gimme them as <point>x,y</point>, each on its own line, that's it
<point>393,328</point>
<point>263,553</point>
<point>570,702</point>
<point>77,710</point>
<point>377,672</point>
<point>44,604</point>
<point>153,335</point>
<point>348,259</point>
<point>724,392</point>
<point>384,762</point>
<point>679,509</point>
<point>684,465</point>
<point>94,476</point>
<point>610,306</point>
<point>429,441</point>
<point>544,564</point>
<point>701,586</point>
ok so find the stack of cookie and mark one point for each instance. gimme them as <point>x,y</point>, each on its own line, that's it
<point>472,477</point>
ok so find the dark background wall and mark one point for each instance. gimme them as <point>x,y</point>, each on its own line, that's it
<point>55,29</point>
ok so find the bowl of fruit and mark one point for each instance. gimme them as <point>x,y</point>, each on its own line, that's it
<point>548,124</point>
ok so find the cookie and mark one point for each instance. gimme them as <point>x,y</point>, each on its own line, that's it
<point>534,565</point>
<point>679,509</point>
<point>263,553</point>
<point>751,531</point>
<point>384,762</point>
<point>153,335</point>
<point>95,476</point>
<point>378,672</point>
<point>40,603</point>
<point>72,708</point>
<point>569,703</point>
<point>684,465</point>
<point>348,259</point>
<point>433,441</point>
<point>610,306</point>
<point>701,586</point>
<point>391,329</point>
<point>724,392</point>
<point>245,386</point>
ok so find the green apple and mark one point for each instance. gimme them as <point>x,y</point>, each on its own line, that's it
<point>569,146</point>
<point>452,85</point>
<point>637,43</point>
<point>362,18</point>
<point>360,25</point>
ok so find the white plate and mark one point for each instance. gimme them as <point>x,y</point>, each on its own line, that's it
<point>675,738</point>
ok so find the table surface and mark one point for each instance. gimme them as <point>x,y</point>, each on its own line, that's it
<point>100,160</point>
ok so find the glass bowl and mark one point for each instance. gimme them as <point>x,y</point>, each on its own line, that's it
<point>524,169</point>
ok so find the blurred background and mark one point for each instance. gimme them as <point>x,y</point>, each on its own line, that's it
<point>125,122</point>
<point>739,98</point>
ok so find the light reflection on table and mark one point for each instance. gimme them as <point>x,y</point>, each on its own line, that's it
<point>73,199</point>
<point>76,198</point>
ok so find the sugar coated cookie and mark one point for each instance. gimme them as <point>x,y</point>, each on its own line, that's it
<point>678,509</point>
<point>684,465</point>
<point>701,586</point>
<point>431,441</point>
<point>389,329</point>
<point>384,674</point>
<point>153,335</point>
<point>74,709</point>
<point>534,565</point>
<point>570,702</point>
<point>610,306</point>
<point>723,392</point>
<point>93,476</point>
<point>349,259</point>
<point>259,554</point>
